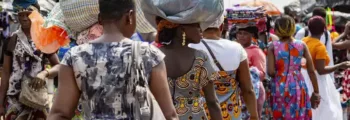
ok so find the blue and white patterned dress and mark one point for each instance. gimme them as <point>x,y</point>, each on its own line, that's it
<point>100,70</point>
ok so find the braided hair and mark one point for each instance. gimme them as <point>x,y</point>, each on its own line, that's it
<point>285,27</point>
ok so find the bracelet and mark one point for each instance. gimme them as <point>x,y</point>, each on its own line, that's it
<point>48,73</point>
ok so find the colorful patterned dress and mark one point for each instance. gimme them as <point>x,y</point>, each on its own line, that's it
<point>289,98</point>
<point>229,56</point>
<point>228,93</point>
<point>186,90</point>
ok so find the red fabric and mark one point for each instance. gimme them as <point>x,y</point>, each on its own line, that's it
<point>346,85</point>
<point>158,45</point>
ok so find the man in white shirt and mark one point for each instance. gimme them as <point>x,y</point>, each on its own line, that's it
<point>325,37</point>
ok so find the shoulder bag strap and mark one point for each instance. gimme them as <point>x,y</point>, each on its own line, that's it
<point>306,32</point>
<point>213,56</point>
<point>326,37</point>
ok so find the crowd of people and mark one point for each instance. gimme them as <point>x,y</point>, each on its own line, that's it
<point>190,67</point>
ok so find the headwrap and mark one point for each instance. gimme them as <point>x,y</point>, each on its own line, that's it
<point>218,21</point>
<point>164,24</point>
<point>23,3</point>
<point>204,12</point>
<point>29,8</point>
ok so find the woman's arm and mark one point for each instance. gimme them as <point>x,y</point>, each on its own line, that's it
<point>8,48</point>
<point>341,45</point>
<point>249,97</point>
<point>212,102</point>
<point>67,96</point>
<point>271,62</point>
<point>322,69</point>
<point>50,74</point>
<point>310,69</point>
<point>340,37</point>
<point>53,72</point>
<point>5,78</point>
<point>345,34</point>
<point>160,89</point>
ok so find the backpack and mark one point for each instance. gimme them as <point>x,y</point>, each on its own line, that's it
<point>145,106</point>
<point>325,33</point>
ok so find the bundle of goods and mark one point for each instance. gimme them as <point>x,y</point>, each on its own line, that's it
<point>204,12</point>
<point>75,20</point>
<point>245,15</point>
<point>47,38</point>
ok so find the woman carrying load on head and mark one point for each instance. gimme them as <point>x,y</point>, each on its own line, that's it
<point>247,30</point>
<point>190,72</point>
<point>256,60</point>
<point>289,92</point>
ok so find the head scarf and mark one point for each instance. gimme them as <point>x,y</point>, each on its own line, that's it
<point>29,8</point>
<point>162,24</point>
<point>218,22</point>
<point>23,3</point>
<point>204,12</point>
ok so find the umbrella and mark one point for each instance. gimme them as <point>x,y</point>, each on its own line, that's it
<point>270,8</point>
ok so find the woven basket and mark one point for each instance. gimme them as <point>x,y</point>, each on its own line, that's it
<point>80,14</point>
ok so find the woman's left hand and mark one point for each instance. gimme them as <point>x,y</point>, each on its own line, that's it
<point>39,80</point>
<point>315,100</point>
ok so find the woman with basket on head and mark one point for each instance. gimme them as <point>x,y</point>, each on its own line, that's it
<point>190,73</point>
<point>23,91</point>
